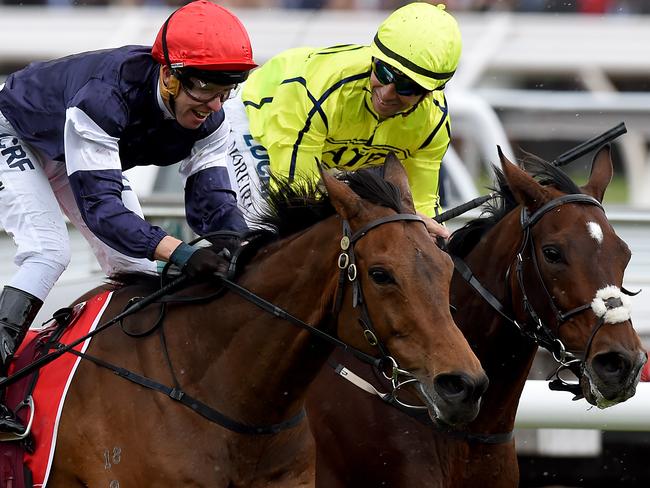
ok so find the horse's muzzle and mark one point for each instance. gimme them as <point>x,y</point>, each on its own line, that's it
<point>454,399</point>
<point>611,377</point>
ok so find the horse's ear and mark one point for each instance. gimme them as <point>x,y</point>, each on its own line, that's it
<point>602,171</point>
<point>525,189</point>
<point>395,173</point>
<point>346,203</point>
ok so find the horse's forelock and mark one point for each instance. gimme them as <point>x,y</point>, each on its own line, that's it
<point>369,185</point>
<point>294,206</point>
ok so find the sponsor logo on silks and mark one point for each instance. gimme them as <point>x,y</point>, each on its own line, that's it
<point>13,153</point>
<point>262,166</point>
<point>243,179</point>
<point>350,154</point>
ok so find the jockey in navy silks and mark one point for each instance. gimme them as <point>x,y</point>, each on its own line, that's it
<point>71,126</point>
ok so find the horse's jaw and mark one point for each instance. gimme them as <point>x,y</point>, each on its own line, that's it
<point>595,392</point>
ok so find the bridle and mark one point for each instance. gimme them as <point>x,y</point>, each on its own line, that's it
<point>348,272</point>
<point>540,332</point>
<point>387,365</point>
<point>346,262</point>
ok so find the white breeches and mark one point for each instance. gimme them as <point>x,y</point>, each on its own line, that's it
<point>35,194</point>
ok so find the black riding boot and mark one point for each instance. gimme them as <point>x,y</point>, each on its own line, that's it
<point>17,311</point>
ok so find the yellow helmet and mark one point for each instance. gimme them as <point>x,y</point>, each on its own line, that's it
<point>421,40</point>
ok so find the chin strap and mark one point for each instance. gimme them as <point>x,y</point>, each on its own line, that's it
<point>169,91</point>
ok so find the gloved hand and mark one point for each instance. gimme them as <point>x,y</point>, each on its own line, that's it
<point>225,243</point>
<point>200,261</point>
<point>205,262</point>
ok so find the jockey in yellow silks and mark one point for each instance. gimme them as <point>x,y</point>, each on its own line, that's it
<point>348,106</point>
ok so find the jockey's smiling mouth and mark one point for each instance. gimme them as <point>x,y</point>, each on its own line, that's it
<point>386,101</point>
<point>392,90</point>
<point>190,99</point>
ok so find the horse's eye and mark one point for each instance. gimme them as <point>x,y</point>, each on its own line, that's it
<point>552,255</point>
<point>380,276</point>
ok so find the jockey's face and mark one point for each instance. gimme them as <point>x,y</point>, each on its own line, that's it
<point>191,112</point>
<point>386,101</point>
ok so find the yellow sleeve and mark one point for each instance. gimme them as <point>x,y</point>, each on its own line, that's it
<point>294,133</point>
<point>423,169</point>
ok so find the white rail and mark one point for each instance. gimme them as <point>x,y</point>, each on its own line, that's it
<point>541,408</point>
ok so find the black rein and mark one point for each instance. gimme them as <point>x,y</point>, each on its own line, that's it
<point>177,394</point>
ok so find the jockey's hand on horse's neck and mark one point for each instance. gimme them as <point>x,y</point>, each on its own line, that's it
<point>434,228</point>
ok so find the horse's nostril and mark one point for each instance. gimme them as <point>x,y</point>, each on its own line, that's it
<point>460,388</point>
<point>449,384</point>
<point>612,365</point>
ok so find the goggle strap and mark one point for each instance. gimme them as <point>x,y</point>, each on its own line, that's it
<point>410,65</point>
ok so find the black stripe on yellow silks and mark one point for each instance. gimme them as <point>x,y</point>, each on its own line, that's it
<point>258,106</point>
<point>443,119</point>
<point>317,108</point>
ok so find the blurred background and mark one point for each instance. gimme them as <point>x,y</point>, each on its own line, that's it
<point>538,76</point>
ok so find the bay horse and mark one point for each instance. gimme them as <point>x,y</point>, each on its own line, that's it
<point>541,267</point>
<point>356,269</point>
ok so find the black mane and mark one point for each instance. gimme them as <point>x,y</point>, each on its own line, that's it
<point>293,207</point>
<point>464,239</point>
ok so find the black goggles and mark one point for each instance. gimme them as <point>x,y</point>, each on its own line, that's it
<point>404,85</point>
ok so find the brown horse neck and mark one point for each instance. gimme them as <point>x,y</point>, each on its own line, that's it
<point>505,354</point>
<point>275,359</point>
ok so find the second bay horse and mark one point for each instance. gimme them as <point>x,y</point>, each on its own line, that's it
<point>543,267</point>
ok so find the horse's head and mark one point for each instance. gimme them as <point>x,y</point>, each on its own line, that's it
<point>398,289</point>
<point>568,280</point>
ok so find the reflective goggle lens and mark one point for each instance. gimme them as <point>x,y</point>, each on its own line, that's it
<point>204,92</point>
<point>403,84</point>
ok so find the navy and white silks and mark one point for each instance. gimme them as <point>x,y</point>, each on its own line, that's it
<point>68,129</point>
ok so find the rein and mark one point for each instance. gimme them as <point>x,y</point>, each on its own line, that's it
<point>347,265</point>
<point>48,358</point>
<point>348,272</point>
<point>209,413</point>
<point>176,393</point>
<point>419,412</point>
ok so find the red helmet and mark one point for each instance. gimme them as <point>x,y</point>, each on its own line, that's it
<point>207,39</point>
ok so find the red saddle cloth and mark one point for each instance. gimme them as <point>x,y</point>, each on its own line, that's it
<point>49,394</point>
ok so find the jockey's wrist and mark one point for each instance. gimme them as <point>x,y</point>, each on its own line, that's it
<point>166,247</point>
<point>182,254</point>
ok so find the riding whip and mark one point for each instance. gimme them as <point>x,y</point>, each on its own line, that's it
<point>561,160</point>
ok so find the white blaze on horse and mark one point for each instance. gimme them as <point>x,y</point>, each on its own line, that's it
<point>529,274</point>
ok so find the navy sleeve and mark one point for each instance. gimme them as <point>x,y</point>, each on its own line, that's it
<point>210,205</point>
<point>99,197</point>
